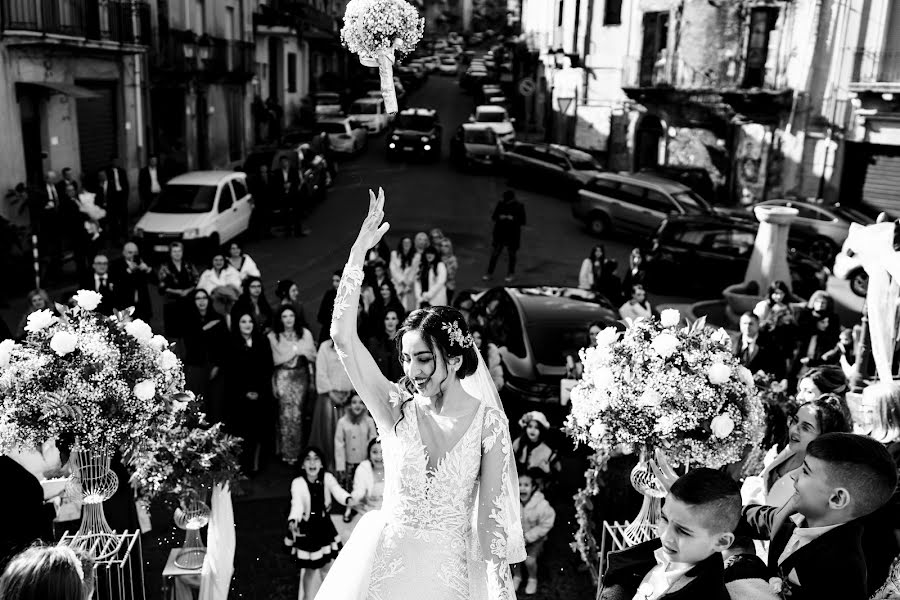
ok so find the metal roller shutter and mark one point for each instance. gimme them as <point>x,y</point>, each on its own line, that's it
<point>98,139</point>
<point>881,189</point>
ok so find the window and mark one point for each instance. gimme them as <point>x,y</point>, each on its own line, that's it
<point>658,201</point>
<point>292,72</point>
<point>199,17</point>
<point>655,41</point>
<point>240,189</point>
<point>762,22</point>
<point>226,198</point>
<point>630,193</point>
<point>181,199</point>
<point>730,242</point>
<point>332,128</point>
<point>364,108</point>
<point>602,187</point>
<point>559,17</point>
<point>691,203</point>
<point>612,13</point>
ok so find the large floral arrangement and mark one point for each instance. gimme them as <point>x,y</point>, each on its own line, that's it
<point>98,381</point>
<point>375,30</point>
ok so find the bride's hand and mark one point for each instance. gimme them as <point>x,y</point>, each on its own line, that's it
<point>373,227</point>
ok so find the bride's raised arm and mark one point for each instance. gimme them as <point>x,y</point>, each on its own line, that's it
<point>373,387</point>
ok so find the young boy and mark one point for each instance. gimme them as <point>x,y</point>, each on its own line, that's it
<point>685,563</point>
<point>817,552</point>
<point>537,521</point>
<point>352,434</point>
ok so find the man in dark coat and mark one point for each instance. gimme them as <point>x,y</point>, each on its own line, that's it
<point>755,350</point>
<point>150,182</point>
<point>131,276</point>
<point>287,178</point>
<point>100,280</point>
<point>509,218</point>
<point>263,192</point>
<point>46,222</point>
<point>117,201</point>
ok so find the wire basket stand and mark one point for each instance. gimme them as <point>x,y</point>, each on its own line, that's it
<point>192,516</point>
<point>94,482</point>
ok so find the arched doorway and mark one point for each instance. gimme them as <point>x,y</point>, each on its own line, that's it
<point>649,135</point>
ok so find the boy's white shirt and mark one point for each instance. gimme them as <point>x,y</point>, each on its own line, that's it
<point>800,537</point>
<point>661,577</point>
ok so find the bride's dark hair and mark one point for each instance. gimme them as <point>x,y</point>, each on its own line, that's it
<point>445,332</point>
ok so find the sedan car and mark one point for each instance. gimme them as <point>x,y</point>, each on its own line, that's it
<point>703,254</point>
<point>536,329</point>
<point>447,66</point>
<point>416,132</point>
<point>371,113</point>
<point>497,119</point>
<point>344,134</point>
<point>475,145</point>
<point>559,168</point>
<point>327,104</point>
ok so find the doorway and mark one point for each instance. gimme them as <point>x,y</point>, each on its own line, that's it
<point>30,115</point>
<point>648,140</point>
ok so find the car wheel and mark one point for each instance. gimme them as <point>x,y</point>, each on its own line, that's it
<point>859,282</point>
<point>823,250</point>
<point>598,223</point>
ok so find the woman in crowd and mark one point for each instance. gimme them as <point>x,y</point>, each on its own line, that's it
<point>48,573</point>
<point>638,306</point>
<point>248,380</point>
<point>435,236</point>
<point>223,284</point>
<point>636,273</point>
<point>431,283</point>
<point>205,339</point>
<point>445,246</point>
<point>778,295</point>
<point>819,306</point>
<point>242,263</point>
<point>384,346</point>
<point>253,302</point>
<point>598,274</point>
<point>177,280</point>
<point>490,353</point>
<point>288,292</point>
<point>403,267</point>
<point>781,328</point>
<point>38,299</point>
<point>368,480</point>
<point>387,300</point>
<point>369,314</point>
<point>421,242</point>
<point>333,388</point>
<point>530,448</point>
<point>294,357</point>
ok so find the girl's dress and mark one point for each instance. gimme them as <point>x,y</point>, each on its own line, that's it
<point>317,541</point>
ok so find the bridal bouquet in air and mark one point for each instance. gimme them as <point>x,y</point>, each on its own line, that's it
<point>662,386</point>
<point>83,376</point>
<point>376,30</point>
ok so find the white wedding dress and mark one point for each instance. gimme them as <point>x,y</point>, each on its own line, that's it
<point>440,535</point>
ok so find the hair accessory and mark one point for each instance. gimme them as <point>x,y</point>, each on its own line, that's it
<point>534,415</point>
<point>456,335</point>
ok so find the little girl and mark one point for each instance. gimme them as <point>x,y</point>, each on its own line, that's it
<point>352,435</point>
<point>530,449</point>
<point>312,538</point>
<point>368,482</point>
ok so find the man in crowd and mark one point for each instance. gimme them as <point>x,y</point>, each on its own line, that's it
<point>117,200</point>
<point>150,182</point>
<point>509,218</point>
<point>46,223</point>
<point>132,278</point>
<point>101,282</point>
<point>755,350</point>
<point>288,180</point>
<point>261,189</point>
<point>67,178</point>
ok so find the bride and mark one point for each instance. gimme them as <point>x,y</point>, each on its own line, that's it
<point>449,527</point>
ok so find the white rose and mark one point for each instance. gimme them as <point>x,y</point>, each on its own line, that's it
<point>670,317</point>
<point>598,429</point>
<point>88,299</point>
<point>602,378</point>
<point>746,376</point>
<point>664,344</point>
<point>6,347</point>
<point>159,343</point>
<point>720,336</point>
<point>649,398</point>
<point>607,337</point>
<point>722,426</point>
<point>63,342</point>
<point>139,331</point>
<point>145,390</point>
<point>719,373</point>
<point>167,360</point>
<point>40,319</point>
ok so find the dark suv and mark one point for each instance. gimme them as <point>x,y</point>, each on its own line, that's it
<point>416,133</point>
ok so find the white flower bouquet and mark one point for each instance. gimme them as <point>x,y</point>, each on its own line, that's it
<point>95,380</point>
<point>376,30</point>
<point>662,386</point>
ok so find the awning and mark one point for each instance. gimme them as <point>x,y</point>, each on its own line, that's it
<point>69,89</point>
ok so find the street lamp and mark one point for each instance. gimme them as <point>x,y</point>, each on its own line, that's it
<point>203,45</point>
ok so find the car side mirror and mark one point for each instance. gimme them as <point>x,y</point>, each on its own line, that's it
<point>471,119</point>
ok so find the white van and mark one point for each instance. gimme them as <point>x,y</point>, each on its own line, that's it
<point>203,209</point>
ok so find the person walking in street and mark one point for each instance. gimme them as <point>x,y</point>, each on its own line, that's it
<point>132,276</point>
<point>150,182</point>
<point>118,199</point>
<point>509,218</point>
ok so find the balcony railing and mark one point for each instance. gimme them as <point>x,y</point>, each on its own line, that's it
<point>876,67</point>
<point>122,21</point>
<point>182,52</point>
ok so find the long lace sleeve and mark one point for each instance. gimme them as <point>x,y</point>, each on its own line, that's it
<point>500,539</point>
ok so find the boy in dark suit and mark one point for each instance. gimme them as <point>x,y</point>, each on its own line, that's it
<point>685,563</point>
<point>817,551</point>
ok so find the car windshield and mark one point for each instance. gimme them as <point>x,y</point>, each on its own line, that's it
<point>332,127</point>
<point>327,99</point>
<point>490,116</point>
<point>448,61</point>
<point>551,342</point>
<point>364,108</point>
<point>479,136</point>
<point>176,198</point>
<point>858,213</point>
<point>414,122</point>
<point>691,203</point>
<point>583,162</point>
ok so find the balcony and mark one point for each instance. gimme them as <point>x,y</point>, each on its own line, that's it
<point>183,54</point>
<point>875,71</point>
<point>117,21</point>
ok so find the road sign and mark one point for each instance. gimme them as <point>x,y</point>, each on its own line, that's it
<point>564,104</point>
<point>526,86</point>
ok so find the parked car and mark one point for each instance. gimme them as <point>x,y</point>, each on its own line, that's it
<point>848,267</point>
<point>447,66</point>
<point>474,78</point>
<point>399,90</point>
<point>328,104</point>
<point>345,135</point>
<point>696,178</point>
<point>498,119</point>
<point>636,203</point>
<point>475,145</point>
<point>702,254</point>
<point>826,225</point>
<point>371,113</point>
<point>416,132</point>
<point>412,79</point>
<point>551,166</point>
<point>202,209</point>
<point>535,329</point>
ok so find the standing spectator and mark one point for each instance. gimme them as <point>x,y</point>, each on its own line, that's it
<point>326,307</point>
<point>253,302</point>
<point>509,218</point>
<point>103,283</point>
<point>150,182</point>
<point>754,349</point>
<point>242,262</point>
<point>370,315</point>
<point>78,235</point>
<point>387,300</point>
<point>814,341</point>
<point>288,178</point>
<point>49,573</point>
<point>431,284</point>
<point>435,236</point>
<point>118,200</point>
<point>68,178</point>
<point>598,274</point>
<point>352,435</point>
<point>276,116</point>
<point>638,307</point>
<point>177,280</point>
<point>537,521</point>
<point>101,199</point>
<point>132,276</point>
<point>377,273</point>
<point>843,354</point>
<point>778,294</point>
<point>294,357</point>
<point>449,259</point>
<point>490,353</point>
<point>384,347</point>
<point>205,341</point>
<point>38,299</point>
<point>223,284</point>
<point>819,306</point>
<point>288,292</point>
<point>333,388</point>
<point>248,379</point>
<point>403,272</point>
<point>261,188</point>
<point>636,273</point>
<point>47,223</point>
<point>420,242</point>
<point>368,481</point>
<point>781,329</point>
